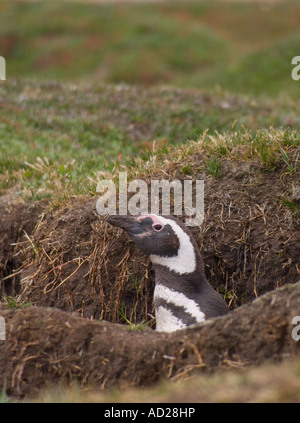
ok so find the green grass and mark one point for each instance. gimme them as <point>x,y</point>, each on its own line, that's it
<point>241,47</point>
<point>292,205</point>
<point>266,71</point>
<point>14,302</point>
<point>54,137</point>
<point>291,166</point>
<point>213,167</point>
<point>132,326</point>
<point>3,396</point>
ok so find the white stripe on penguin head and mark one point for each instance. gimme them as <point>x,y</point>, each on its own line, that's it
<point>185,260</point>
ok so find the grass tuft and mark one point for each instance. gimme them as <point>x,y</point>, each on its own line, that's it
<point>213,167</point>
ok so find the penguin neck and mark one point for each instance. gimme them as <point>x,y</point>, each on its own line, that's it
<point>185,265</point>
<point>189,281</point>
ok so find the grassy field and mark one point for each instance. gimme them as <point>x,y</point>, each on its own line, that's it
<point>240,47</point>
<point>56,136</point>
<point>233,61</point>
<point>64,132</point>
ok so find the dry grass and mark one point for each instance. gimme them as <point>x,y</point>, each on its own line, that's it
<point>248,238</point>
<point>265,148</point>
<point>264,383</point>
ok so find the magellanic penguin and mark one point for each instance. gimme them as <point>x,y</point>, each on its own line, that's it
<point>182,294</point>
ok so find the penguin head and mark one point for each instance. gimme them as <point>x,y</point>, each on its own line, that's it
<point>151,233</point>
<point>163,238</point>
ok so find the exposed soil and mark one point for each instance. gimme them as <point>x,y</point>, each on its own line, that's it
<point>72,260</point>
<point>249,242</point>
<point>16,219</point>
<point>48,346</point>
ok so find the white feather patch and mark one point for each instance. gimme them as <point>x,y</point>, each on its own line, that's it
<point>185,260</point>
<point>180,300</point>
<point>166,321</point>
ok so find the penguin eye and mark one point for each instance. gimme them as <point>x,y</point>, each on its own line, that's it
<point>157,227</point>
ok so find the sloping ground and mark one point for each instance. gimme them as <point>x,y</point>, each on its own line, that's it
<point>249,239</point>
<point>70,259</point>
<point>47,346</point>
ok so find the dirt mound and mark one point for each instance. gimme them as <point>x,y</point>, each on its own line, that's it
<point>17,220</point>
<point>46,346</point>
<point>81,264</point>
<point>249,241</point>
<point>70,260</point>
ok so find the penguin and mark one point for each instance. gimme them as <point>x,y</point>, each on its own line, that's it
<point>182,294</point>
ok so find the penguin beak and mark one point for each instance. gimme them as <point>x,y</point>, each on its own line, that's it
<point>128,223</point>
